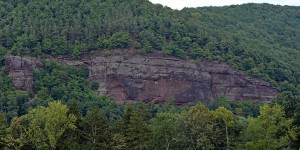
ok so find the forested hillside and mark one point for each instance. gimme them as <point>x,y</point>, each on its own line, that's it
<point>260,39</point>
<point>63,112</point>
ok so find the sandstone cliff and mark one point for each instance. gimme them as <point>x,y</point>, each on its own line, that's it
<point>158,79</point>
<point>21,71</point>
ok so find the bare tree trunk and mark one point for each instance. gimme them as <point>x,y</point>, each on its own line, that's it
<point>227,138</point>
<point>168,145</point>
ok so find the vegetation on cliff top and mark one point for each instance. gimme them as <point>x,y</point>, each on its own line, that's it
<point>260,39</point>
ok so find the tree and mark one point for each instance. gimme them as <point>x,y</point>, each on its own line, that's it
<point>164,131</point>
<point>173,50</point>
<point>271,130</point>
<point>146,47</point>
<point>196,128</point>
<point>289,103</point>
<point>9,104</point>
<point>57,121</point>
<point>291,106</point>
<point>118,131</point>
<point>185,42</point>
<point>136,127</point>
<point>15,138</point>
<point>3,121</point>
<point>118,142</point>
<point>119,40</point>
<point>198,52</point>
<point>73,138</point>
<point>3,126</point>
<point>3,51</point>
<point>228,118</point>
<point>220,101</point>
<point>47,124</point>
<point>76,49</point>
<point>96,130</point>
<point>240,41</point>
<point>47,46</point>
<point>238,135</point>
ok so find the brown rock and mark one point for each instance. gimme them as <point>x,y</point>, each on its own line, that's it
<point>155,79</point>
<point>21,71</point>
<point>158,79</point>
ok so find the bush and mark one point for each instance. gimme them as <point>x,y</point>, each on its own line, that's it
<point>119,40</point>
<point>94,85</point>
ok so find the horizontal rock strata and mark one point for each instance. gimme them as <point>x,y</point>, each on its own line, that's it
<point>159,79</point>
<point>156,79</point>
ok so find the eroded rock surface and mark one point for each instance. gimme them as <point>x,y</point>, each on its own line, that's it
<point>158,79</point>
<point>21,71</point>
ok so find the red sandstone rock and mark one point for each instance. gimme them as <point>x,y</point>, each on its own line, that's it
<point>158,79</point>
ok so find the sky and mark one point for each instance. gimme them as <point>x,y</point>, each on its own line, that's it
<point>179,4</point>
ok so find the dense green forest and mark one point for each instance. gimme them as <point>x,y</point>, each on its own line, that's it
<point>63,112</point>
<point>260,39</point>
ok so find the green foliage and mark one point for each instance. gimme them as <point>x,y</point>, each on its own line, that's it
<point>136,129</point>
<point>3,121</point>
<point>119,40</point>
<point>94,86</point>
<point>227,117</point>
<point>220,102</point>
<point>72,138</point>
<point>164,131</point>
<point>118,142</point>
<point>246,108</point>
<point>57,126</point>
<point>259,39</point>
<point>291,106</point>
<point>3,51</point>
<point>150,40</point>
<point>250,37</point>
<point>47,125</point>
<point>3,126</point>
<point>15,136</point>
<point>137,45</point>
<point>56,46</point>
<point>14,103</point>
<point>173,50</point>
<point>198,52</point>
<point>196,128</point>
<point>97,134</point>
<point>59,82</point>
<point>271,130</point>
<point>76,50</point>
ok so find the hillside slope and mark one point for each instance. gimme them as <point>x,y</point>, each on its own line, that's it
<point>136,49</point>
<point>260,39</point>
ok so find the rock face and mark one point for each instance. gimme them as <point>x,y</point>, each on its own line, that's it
<point>21,71</point>
<point>158,79</point>
<point>155,79</point>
